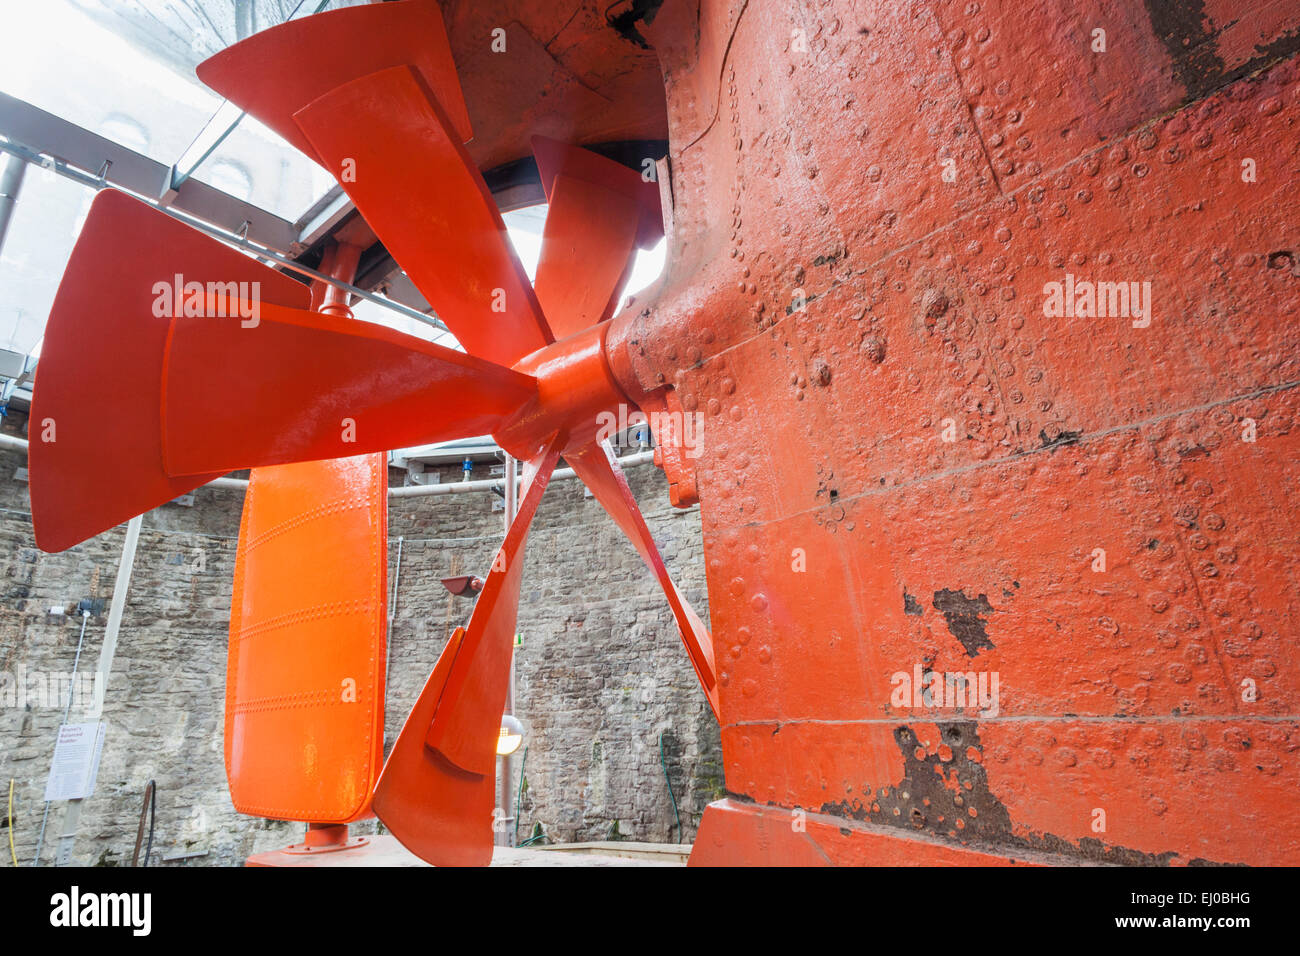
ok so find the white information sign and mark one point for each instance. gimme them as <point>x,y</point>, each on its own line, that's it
<point>76,761</point>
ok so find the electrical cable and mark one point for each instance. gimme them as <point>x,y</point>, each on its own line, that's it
<point>150,809</point>
<point>153,806</point>
<point>670,788</point>
<point>12,853</point>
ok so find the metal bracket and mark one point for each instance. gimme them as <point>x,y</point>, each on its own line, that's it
<point>669,455</point>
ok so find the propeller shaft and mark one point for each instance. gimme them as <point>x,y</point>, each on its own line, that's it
<point>577,397</point>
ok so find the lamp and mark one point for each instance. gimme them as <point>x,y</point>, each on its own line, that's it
<point>512,735</point>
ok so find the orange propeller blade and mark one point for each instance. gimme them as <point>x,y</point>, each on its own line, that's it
<point>587,248</point>
<point>305,668</point>
<point>273,74</point>
<point>600,472</point>
<point>598,209</point>
<point>469,714</point>
<point>96,443</point>
<point>436,790</point>
<point>555,158</point>
<point>439,812</point>
<point>419,190</point>
<point>302,385</point>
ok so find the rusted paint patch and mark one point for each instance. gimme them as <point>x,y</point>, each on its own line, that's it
<point>1191,38</point>
<point>1181,27</point>
<point>945,792</point>
<point>637,11</point>
<point>911,605</point>
<point>963,615</point>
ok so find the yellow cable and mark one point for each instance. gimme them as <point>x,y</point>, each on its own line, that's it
<point>11,821</point>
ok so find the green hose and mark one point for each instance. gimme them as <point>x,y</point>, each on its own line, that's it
<point>538,834</point>
<point>670,788</point>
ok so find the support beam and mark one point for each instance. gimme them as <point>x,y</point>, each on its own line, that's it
<point>106,163</point>
<point>12,170</point>
<point>489,485</point>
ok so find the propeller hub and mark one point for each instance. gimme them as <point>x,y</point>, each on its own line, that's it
<point>577,396</point>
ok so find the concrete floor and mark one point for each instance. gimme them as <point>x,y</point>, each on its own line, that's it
<point>384,850</point>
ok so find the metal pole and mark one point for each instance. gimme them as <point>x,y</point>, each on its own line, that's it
<point>490,484</point>
<point>72,687</point>
<point>512,492</point>
<point>116,608</point>
<point>392,611</point>
<point>12,169</point>
<point>63,856</point>
<point>506,836</point>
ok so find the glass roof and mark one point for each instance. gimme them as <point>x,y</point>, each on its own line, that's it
<point>66,57</point>
<point>124,69</point>
<point>525,226</point>
<point>254,164</point>
<point>369,311</point>
<point>45,224</point>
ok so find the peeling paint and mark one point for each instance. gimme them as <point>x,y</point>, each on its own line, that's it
<point>963,615</point>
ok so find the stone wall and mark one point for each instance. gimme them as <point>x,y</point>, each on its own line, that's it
<point>602,678</point>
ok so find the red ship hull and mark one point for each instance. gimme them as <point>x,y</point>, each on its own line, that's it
<point>1072,525</point>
